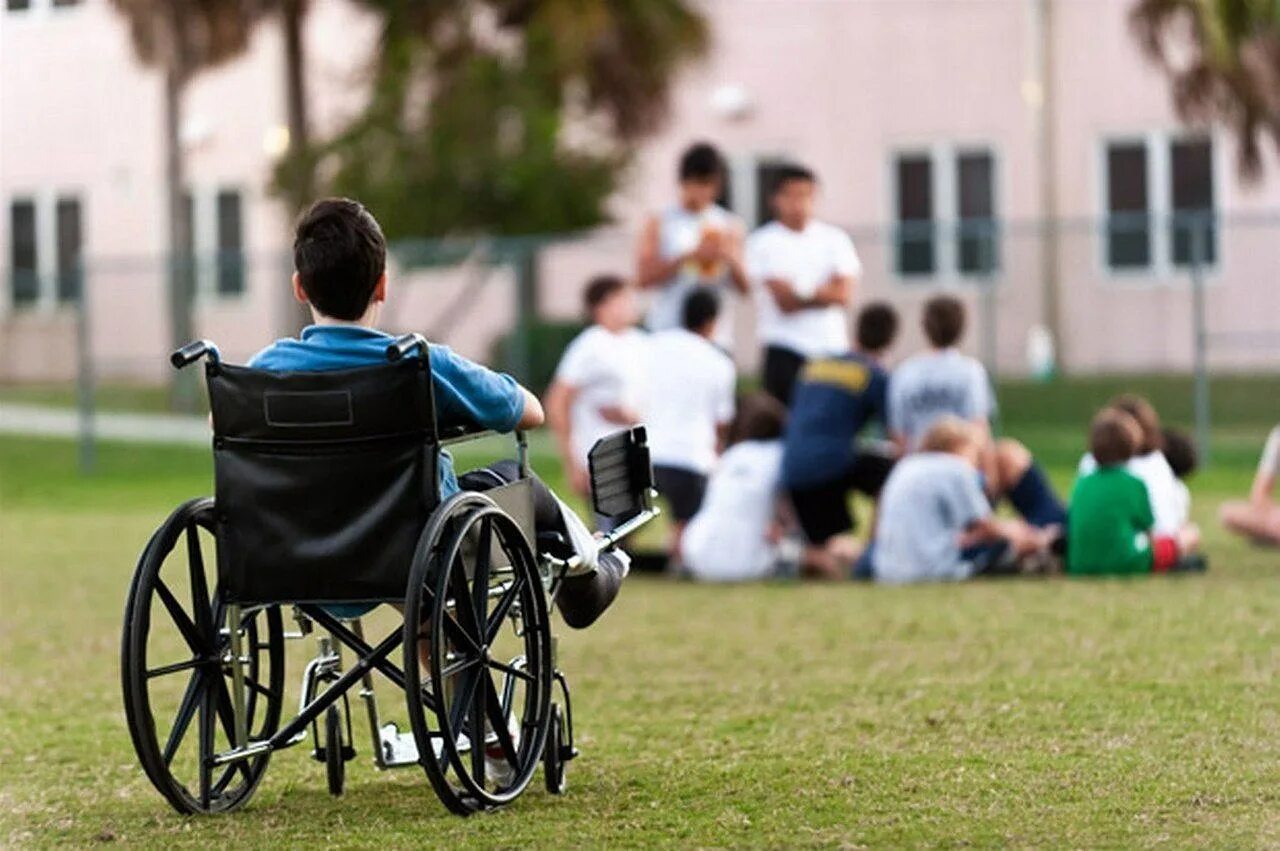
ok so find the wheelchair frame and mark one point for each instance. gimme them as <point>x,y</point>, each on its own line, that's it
<point>223,635</point>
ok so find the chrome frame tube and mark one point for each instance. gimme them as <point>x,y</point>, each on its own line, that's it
<point>241,724</point>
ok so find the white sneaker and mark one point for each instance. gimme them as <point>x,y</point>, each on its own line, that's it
<point>498,773</point>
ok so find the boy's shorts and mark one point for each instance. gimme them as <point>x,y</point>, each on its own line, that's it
<point>823,510</point>
<point>1164,553</point>
<point>683,489</point>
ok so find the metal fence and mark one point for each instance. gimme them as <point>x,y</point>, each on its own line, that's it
<point>1187,294</point>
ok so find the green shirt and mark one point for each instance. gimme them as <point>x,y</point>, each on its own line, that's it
<point>1108,524</point>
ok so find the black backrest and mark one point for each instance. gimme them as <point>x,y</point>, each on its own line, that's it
<point>324,480</point>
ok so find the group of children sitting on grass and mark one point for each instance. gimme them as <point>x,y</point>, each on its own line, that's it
<point>937,484</point>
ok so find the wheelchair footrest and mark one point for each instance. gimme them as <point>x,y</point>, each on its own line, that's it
<point>398,749</point>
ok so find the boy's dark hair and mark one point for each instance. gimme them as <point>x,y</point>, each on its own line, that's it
<point>599,290</point>
<point>876,327</point>
<point>1148,420</point>
<point>701,306</point>
<point>1180,451</point>
<point>701,162</point>
<point>759,417</point>
<point>340,254</point>
<point>791,172</point>
<point>943,320</point>
<point>1112,437</point>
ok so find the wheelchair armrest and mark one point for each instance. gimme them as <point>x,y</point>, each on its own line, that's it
<point>450,435</point>
<point>621,474</point>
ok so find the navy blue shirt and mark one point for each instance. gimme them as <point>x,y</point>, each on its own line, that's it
<point>833,400</point>
<point>466,393</point>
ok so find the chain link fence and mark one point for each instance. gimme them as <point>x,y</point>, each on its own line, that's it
<point>1185,294</point>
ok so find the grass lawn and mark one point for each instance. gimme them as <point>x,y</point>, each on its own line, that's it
<point>1063,713</point>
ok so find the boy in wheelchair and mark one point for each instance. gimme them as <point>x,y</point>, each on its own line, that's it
<point>340,274</point>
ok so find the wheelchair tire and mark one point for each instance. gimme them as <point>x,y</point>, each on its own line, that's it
<point>158,626</point>
<point>459,715</point>
<point>553,763</point>
<point>335,766</point>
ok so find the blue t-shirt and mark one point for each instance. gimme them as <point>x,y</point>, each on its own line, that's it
<point>833,400</point>
<point>466,393</point>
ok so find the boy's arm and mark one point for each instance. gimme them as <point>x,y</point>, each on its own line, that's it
<point>651,269</point>
<point>560,398</point>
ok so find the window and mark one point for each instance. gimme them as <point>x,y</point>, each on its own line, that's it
<point>59,4</point>
<point>69,273</point>
<point>1160,204</point>
<point>976,248</point>
<point>767,172</point>
<point>916,251</point>
<point>1128,206</point>
<point>230,279</point>
<point>17,5</point>
<point>1191,201</point>
<point>24,274</point>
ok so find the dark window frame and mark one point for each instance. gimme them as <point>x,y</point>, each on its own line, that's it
<point>915,239</point>
<point>1129,244</point>
<point>1187,215</point>
<point>68,248</point>
<point>977,236</point>
<point>229,278</point>
<point>23,262</point>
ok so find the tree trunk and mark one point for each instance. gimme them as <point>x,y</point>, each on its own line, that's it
<point>300,190</point>
<point>181,266</point>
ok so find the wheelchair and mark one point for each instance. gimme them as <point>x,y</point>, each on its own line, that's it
<point>327,498</point>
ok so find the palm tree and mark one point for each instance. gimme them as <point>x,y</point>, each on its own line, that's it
<point>1224,60</point>
<point>180,39</point>
<point>470,101</point>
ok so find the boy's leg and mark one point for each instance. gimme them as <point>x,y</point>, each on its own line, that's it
<point>683,489</point>
<point>581,599</point>
<point>781,366</point>
<point>1023,481</point>
<point>823,515</point>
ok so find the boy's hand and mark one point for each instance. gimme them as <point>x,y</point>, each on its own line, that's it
<point>623,415</point>
<point>784,295</point>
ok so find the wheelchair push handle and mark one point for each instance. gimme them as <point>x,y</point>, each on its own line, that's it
<point>404,345</point>
<point>192,352</point>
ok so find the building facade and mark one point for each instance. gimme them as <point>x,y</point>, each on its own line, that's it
<point>1020,152</point>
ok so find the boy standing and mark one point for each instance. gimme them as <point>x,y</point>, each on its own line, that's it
<point>690,403</point>
<point>805,271</point>
<point>1111,521</point>
<point>694,244</point>
<point>599,385</point>
<point>823,462</point>
<point>340,274</point>
<point>935,523</point>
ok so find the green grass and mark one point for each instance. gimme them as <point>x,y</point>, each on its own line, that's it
<point>1036,713</point>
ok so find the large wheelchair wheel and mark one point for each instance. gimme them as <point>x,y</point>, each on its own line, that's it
<point>476,611</point>
<point>176,673</point>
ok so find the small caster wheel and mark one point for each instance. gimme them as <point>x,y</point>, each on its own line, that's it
<point>335,765</point>
<point>553,754</point>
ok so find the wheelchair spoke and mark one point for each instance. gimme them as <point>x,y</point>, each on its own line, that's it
<point>226,714</point>
<point>480,580</point>
<point>510,669</point>
<point>258,687</point>
<point>500,611</point>
<point>186,709</point>
<point>188,629</point>
<point>460,666</point>
<point>199,585</point>
<point>461,701</point>
<point>165,670</point>
<point>205,751</point>
<point>461,595</point>
<point>478,738</point>
<point>498,720</point>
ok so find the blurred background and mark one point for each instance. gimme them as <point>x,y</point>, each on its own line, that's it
<point>1099,178</point>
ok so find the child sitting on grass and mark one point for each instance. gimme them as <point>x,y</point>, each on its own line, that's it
<point>339,257</point>
<point>935,522</point>
<point>1110,519</point>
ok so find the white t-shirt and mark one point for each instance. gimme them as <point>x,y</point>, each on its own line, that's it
<point>679,232</point>
<point>726,540</point>
<point>606,369</point>
<point>1170,499</point>
<point>690,392</point>
<point>806,259</point>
